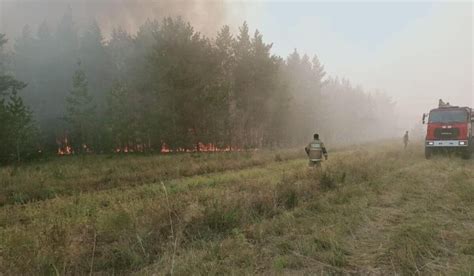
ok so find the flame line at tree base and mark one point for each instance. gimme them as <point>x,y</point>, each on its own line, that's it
<point>65,149</point>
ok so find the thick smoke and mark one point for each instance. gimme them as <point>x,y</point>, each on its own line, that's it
<point>205,15</point>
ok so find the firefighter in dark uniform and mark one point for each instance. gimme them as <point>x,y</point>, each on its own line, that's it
<point>441,103</point>
<point>406,139</point>
<point>316,150</point>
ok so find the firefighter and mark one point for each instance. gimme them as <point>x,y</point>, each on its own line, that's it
<point>441,103</point>
<point>316,150</point>
<point>405,139</point>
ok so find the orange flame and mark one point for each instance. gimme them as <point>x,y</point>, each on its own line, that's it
<point>63,146</point>
<point>201,147</point>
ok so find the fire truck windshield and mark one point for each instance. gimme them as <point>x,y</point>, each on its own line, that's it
<point>448,116</point>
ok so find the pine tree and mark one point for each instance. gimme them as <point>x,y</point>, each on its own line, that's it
<point>26,63</point>
<point>62,66</point>
<point>44,33</point>
<point>17,129</point>
<point>96,62</point>
<point>277,133</point>
<point>184,71</point>
<point>225,85</point>
<point>66,34</point>
<point>318,71</point>
<point>22,126</point>
<point>121,123</point>
<point>81,112</point>
<point>264,75</point>
<point>242,77</point>
<point>120,49</point>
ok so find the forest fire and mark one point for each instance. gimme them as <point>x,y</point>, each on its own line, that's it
<point>63,146</point>
<point>134,147</point>
<point>125,149</point>
<point>65,151</point>
<point>201,147</point>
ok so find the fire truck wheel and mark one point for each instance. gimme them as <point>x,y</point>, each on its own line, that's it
<point>466,154</point>
<point>428,153</point>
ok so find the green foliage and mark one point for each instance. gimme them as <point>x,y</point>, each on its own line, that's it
<point>287,196</point>
<point>115,226</point>
<point>81,112</point>
<point>280,263</point>
<point>327,181</point>
<point>412,245</point>
<point>63,178</point>
<point>220,220</point>
<point>171,84</point>
<point>121,124</point>
<point>17,129</point>
<point>183,82</point>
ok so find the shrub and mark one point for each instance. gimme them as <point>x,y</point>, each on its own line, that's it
<point>287,196</point>
<point>278,158</point>
<point>112,227</point>
<point>327,181</point>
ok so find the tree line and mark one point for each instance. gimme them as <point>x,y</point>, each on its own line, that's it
<point>169,86</point>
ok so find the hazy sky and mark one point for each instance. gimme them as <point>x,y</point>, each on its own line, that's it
<point>415,52</point>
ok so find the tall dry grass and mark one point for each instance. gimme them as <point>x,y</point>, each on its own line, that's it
<point>370,210</point>
<point>72,175</point>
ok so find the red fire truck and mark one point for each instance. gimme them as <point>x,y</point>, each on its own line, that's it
<point>450,129</point>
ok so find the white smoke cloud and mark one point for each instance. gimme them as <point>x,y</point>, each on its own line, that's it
<point>429,60</point>
<point>206,16</point>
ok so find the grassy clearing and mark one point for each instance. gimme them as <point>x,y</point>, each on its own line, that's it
<point>374,210</point>
<point>74,175</point>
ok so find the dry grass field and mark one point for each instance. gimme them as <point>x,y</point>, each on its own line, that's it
<point>373,209</point>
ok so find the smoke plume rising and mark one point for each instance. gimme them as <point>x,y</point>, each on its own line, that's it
<point>205,15</point>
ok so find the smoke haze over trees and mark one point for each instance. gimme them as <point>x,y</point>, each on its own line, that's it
<point>171,86</point>
<point>128,14</point>
<point>17,129</point>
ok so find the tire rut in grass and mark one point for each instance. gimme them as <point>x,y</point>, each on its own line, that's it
<point>408,227</point>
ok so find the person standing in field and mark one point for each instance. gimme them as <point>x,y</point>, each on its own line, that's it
<point>316,150</point>
<point>441,103</point>
<point>405,139</point>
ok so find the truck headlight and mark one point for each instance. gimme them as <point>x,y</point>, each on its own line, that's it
<point>430,143</point>
<point>462,143</point>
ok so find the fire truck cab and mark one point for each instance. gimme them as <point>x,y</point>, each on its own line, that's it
<point>449,129</point>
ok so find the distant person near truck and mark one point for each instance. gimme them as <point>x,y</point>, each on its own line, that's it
<point>406,139</point>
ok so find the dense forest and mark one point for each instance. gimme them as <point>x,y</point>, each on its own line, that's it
<point>168,87</point>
